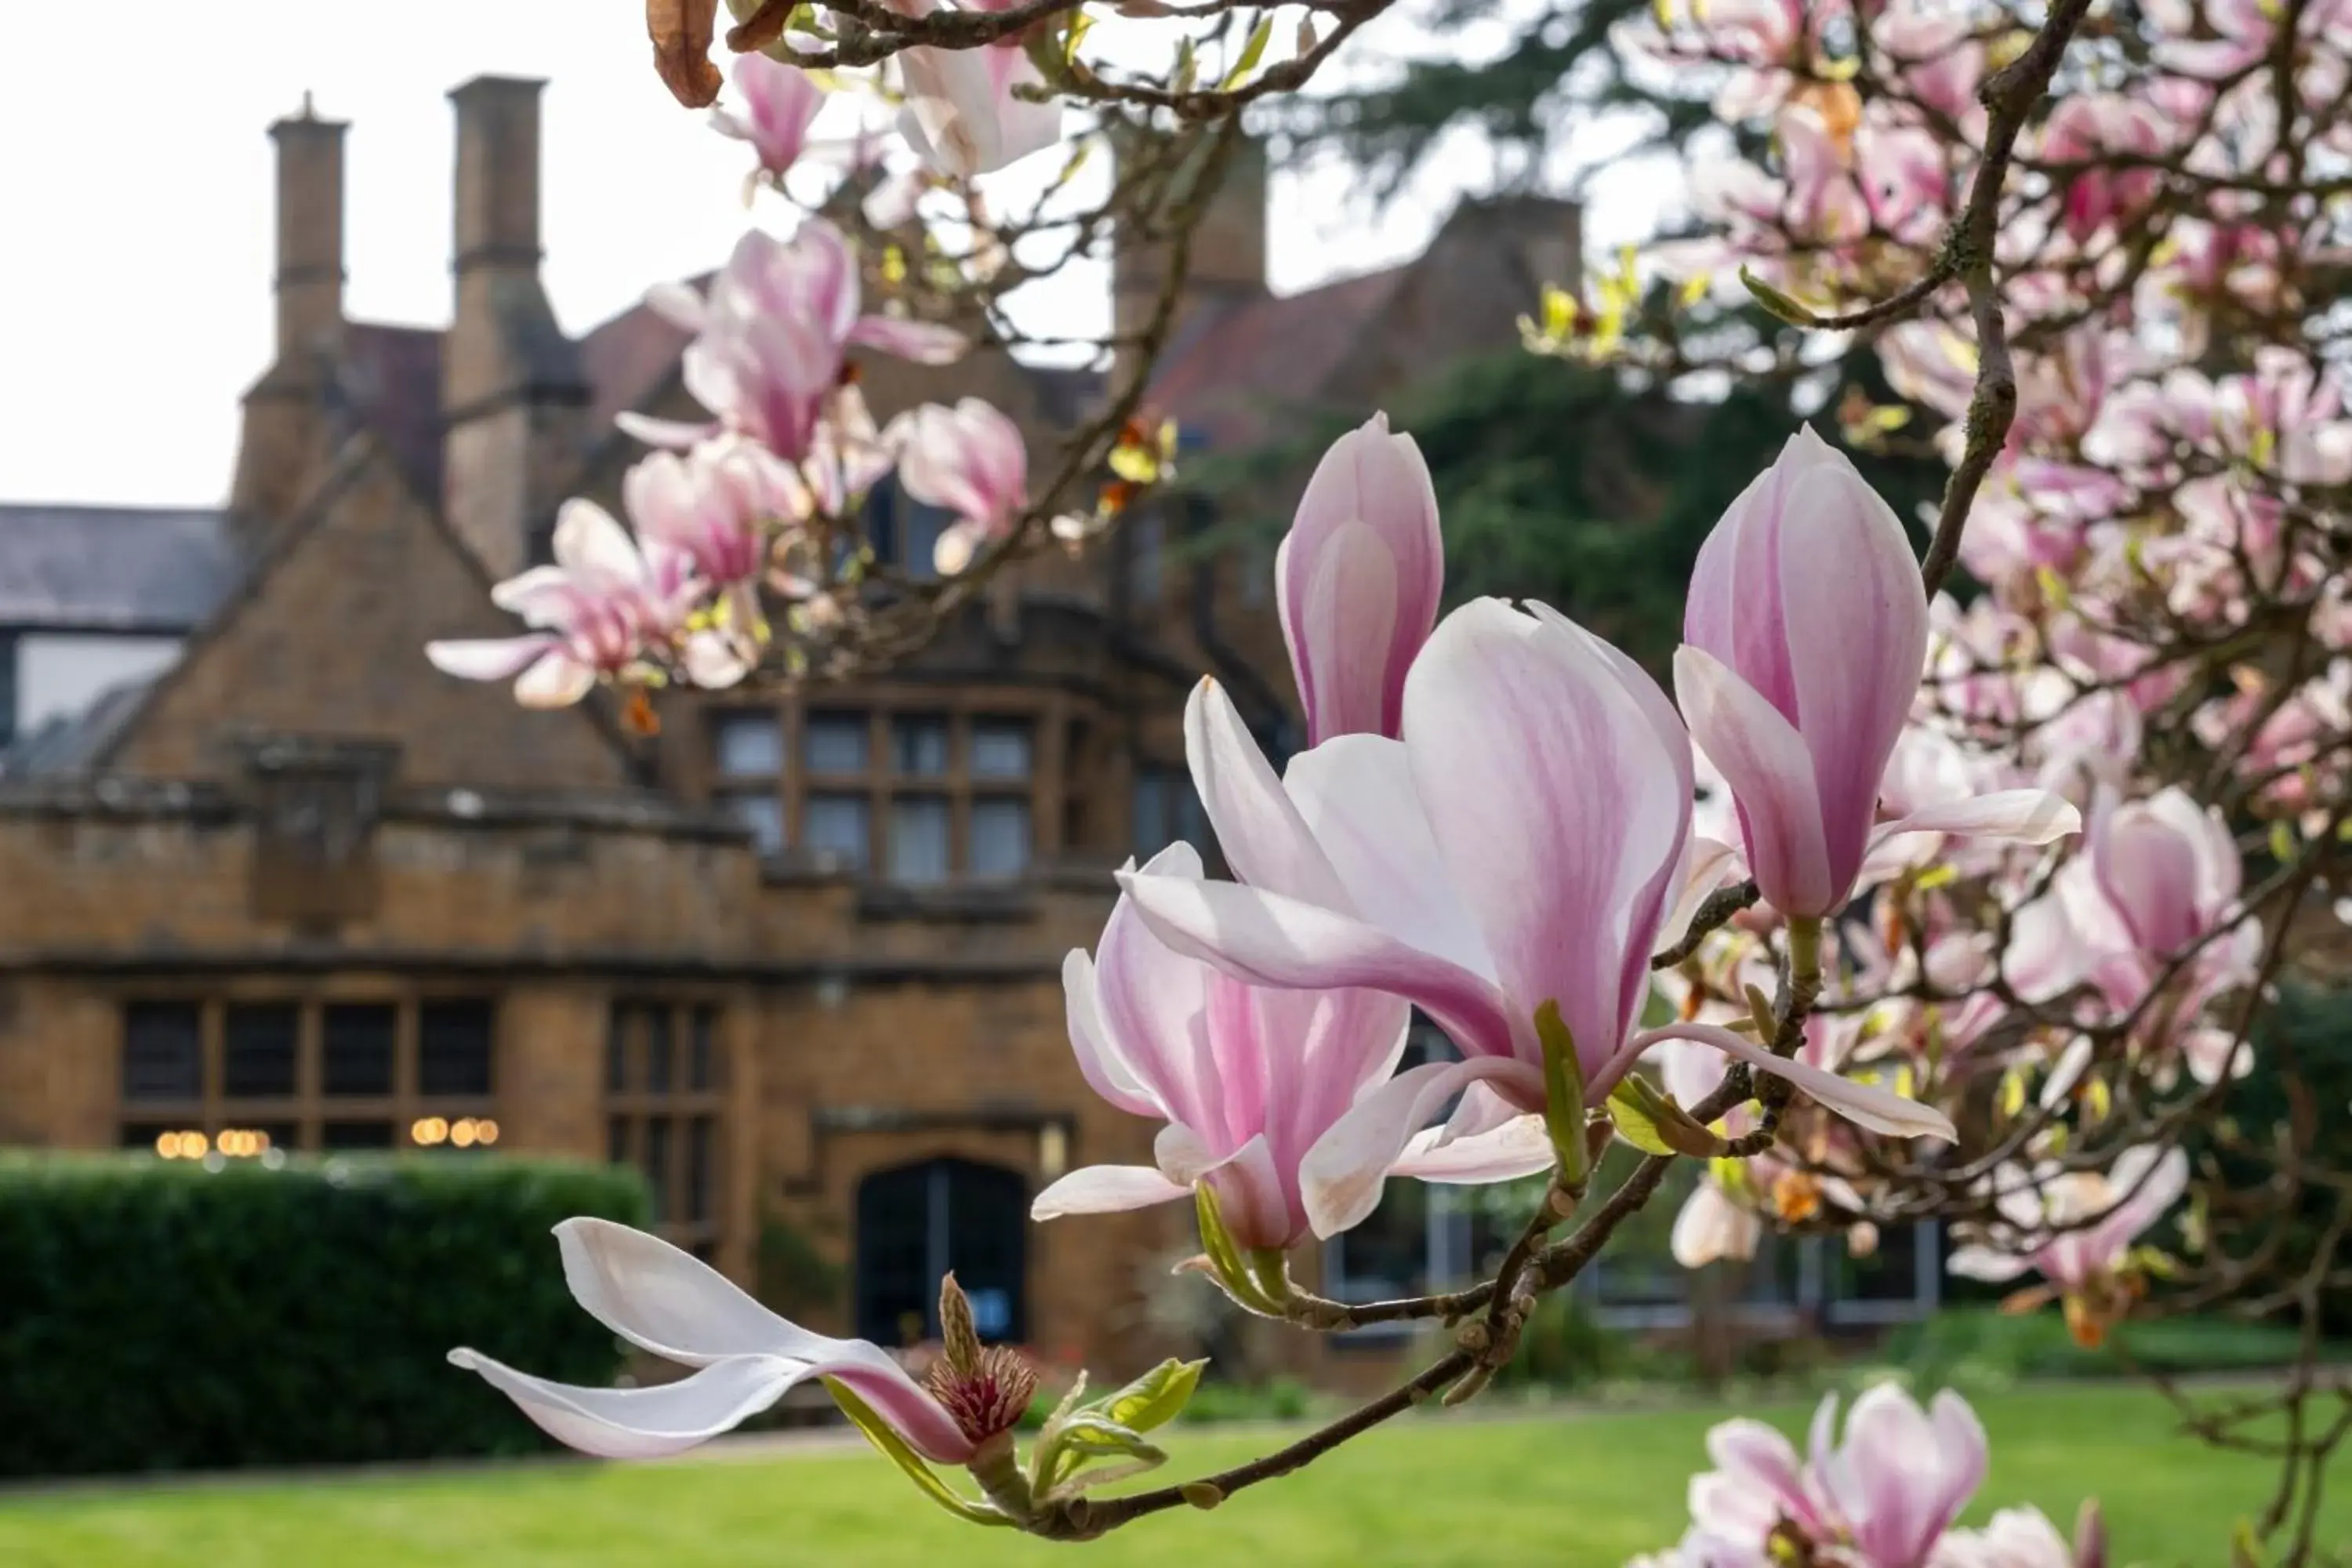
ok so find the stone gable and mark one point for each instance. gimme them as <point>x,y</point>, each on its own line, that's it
<point>328,639</point>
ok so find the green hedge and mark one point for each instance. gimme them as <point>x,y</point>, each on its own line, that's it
<point>161,1316</point>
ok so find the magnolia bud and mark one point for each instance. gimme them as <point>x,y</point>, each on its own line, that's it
<point>956,1328</point>
<point>2090,1536</point>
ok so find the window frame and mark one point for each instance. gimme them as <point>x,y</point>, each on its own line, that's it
<point>796,787</point>
<point>309,1108</point>
<point>634,1109</point>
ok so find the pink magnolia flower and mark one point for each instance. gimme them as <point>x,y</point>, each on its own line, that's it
<point>2245,29</point>
<point>662,1300</point>
<point>595,613</point>
<point>1802,725</point>
<point>2159,875</point>
<point>718,507</point>
<point>1360,575</point>
<point>2022,1538</point>
<point>779,103</point>
<point>1444,869</point>
<point>965,115</point>
<point>1882,1499</point>
<point>770,337</point>
<point>2088,128</point>
<point>2076,1229</point>
<point>969,460</point>
<point>1246,1080</point>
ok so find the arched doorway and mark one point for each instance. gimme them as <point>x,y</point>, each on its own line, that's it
<point>917,1222</point>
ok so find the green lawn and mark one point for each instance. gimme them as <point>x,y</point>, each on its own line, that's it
<point>1569,1492</point>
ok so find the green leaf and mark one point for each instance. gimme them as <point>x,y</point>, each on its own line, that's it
<point>1652,1122</point>
<point>1252,52</point>
<point>880,1433</point>
<point>1224,1257</point>
<point>1157,1397</point>
<point>1781,305</point>
<point>1079,1441</point>
<point>1188,69</point>
<point>1081,24</point>
<point>1563,1093</point>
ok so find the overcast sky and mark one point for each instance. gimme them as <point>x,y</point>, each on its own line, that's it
<point>136,191</point>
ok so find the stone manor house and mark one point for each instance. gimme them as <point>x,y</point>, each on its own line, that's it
<point>275,883</point>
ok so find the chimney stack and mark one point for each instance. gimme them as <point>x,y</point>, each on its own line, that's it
<point>288,423</point>
<point>309,280</point>
<point>514,400</point>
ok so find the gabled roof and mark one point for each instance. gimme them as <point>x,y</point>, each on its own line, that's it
<point>1267,353</point>
<point>124,569</point>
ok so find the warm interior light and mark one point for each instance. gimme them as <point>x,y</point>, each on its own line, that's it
<point>429,1131</point>
<point>461,1133</point>
<point>486,1131</point>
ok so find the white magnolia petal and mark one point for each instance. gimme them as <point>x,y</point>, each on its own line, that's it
<point>1865,1105</point>
<point>667,1301</point>
<point>1984,1263</point>
<point>643,1423</point>
<point>1342,1175</point>
<point>1710,1228</point>
<point>2018,816</point>
<point>557,680</point>
<point>486,658</point>
<point>1106,1189</point>
<point>1519,1147</point>
<point>1712,863</point>
<point>1259,828</point>
<point>1356,796</point>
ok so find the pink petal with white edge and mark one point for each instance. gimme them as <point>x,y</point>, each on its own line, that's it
<point>557,680</point>
<point>589,540</point>
<point>923,343</point>
<point>1552,795</point>
<point>1107,1189</point>
<point>1100,1063</point>
<point>1764,760</point>
<point>1859,1103</point>
<point>1712,864</point>
<point>486,658</point>
<point>643,1423</point>
<point>1252,1200</point>
<point>1844,563</point>
<point>1356,795</point>
<point>1341,1177</point>
<point>1266,939</point>
<point>1259,828</point>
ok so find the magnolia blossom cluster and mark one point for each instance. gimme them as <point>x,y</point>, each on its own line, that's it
<point>1888,1496</point>
<point>758,502</point>
<point>1497,822</point>
<point>2162,638</point>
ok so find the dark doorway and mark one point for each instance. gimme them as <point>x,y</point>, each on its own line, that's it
<point>917,1223</point>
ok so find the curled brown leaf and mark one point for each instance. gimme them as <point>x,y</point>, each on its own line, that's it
<point>681,31</point>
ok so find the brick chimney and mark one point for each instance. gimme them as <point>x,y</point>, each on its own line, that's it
<point>286,414</point>
<point>514,400</point>
<point>1227,262</point>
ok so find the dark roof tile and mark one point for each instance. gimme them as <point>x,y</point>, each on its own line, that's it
<point>103,568</point>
